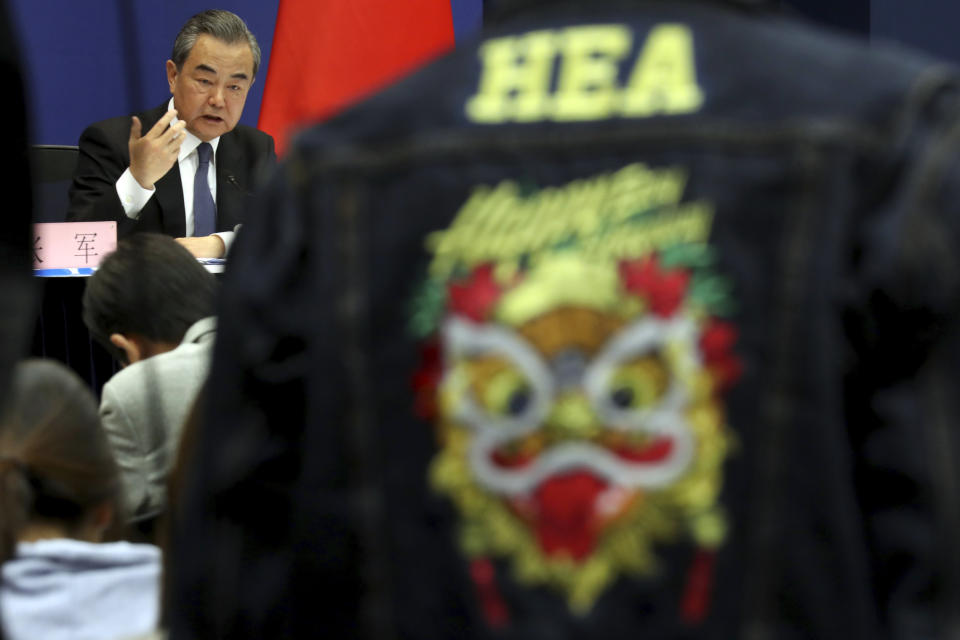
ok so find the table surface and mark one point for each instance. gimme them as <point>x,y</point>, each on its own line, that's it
<point>213,265</point>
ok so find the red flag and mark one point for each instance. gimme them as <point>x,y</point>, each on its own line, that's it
<point>327,55</point>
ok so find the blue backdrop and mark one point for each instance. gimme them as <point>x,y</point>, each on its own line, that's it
<point>92,59</point>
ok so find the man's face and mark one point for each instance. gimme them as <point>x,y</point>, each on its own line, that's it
<point>210,90</point>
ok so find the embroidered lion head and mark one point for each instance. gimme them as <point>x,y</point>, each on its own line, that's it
<point>579,415</point>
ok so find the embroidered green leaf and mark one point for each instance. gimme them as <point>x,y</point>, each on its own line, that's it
<point>695,256</point>
<point>427,307</point>
<point>712,293</point>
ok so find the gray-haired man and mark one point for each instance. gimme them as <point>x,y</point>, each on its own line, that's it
<point>126,167</point>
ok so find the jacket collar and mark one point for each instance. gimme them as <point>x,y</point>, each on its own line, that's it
<point>496,10</point>
<point>201,331</point>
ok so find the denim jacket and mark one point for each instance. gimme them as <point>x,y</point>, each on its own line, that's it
<point>629,319</point>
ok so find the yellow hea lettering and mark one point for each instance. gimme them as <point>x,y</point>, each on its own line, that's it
<point>516,84</point>
<point>664,80</point>
<point>516,78</point>
<point>587,87</point>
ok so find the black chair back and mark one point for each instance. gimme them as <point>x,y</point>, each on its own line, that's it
<point>52,166</point>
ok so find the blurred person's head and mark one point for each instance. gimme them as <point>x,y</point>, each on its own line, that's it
<point>145,296</point>
<point>58,478</point>
<point>211,69</point>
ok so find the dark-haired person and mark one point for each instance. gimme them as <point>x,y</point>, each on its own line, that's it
<point>152,304</point>
<point>59,492</point>
<point>186,167</point>
<point>615,323</point>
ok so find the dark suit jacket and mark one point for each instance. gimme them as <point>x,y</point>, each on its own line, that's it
<point>241,155</point>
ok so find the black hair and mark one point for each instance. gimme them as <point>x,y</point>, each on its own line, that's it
<point>222,25</point>
<point>55,461</point>
<point>150,286</point>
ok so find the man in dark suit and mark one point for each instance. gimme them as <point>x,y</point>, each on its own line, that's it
<point>186,167</point>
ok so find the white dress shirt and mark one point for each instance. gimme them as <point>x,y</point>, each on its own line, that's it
<point>134,197</point>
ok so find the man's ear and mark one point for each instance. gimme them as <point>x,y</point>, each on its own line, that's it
<point>129,345</point>
<point>171,74</point>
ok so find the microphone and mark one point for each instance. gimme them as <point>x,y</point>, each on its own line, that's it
<point>233,180</point>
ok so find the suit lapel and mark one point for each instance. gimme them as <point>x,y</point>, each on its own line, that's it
<point>232,182</point>
<point>169,195</point>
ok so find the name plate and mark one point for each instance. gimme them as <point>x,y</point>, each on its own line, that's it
<point>71,245</point>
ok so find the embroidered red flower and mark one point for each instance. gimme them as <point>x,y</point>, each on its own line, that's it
<point>696,598</point>
<point>426,379</point>
<point>491,601</point>
<point>476,296</point>
<point>716,345</point>
<point>663,290</point>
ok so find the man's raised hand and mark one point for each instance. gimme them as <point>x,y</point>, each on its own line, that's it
<point>153,154</point>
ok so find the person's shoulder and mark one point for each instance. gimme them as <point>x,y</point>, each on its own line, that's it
<point>175,369</point>
<point>251,136</point>
<point>81,551</point>
<point>801,68</point>
<point>118,127</point>
<point>125,385</point>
